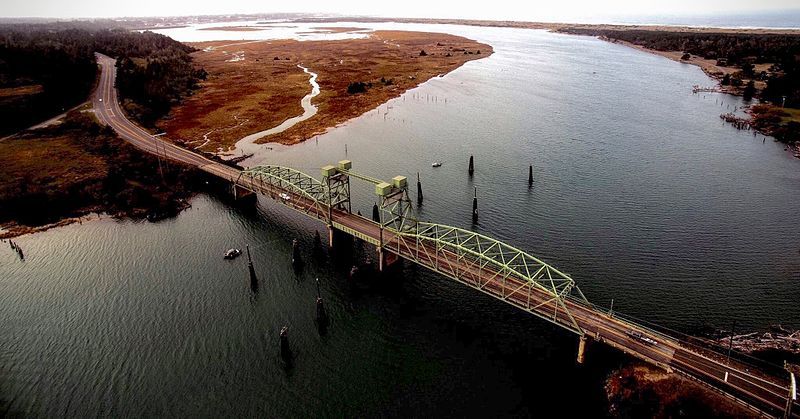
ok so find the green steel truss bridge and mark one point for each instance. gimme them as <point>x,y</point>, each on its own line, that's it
<point>465,256</point>
<point>490,266</point>
<point>506,273</point>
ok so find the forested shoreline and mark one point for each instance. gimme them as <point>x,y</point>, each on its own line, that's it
<point>46,69</point>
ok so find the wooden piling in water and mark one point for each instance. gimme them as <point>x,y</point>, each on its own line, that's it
<point>475,206</point>
<point>471,166</point>
<point>321,315</point>
<point>253,278</point>
<point>530,175</point>
<point>376,214</point>
<point>419,190</point>
<point>286,351</point>
<point>296,259</point>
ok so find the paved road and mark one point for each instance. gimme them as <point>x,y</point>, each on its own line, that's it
<point>757,389</point>
<point>108,111</point>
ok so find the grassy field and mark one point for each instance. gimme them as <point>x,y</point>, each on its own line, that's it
<point>263,86</point>
<point>793,115</point>
<point>51,161</point>
<point>78,167</point>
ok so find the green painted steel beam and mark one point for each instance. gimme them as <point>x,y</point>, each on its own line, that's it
<point>469,249</point>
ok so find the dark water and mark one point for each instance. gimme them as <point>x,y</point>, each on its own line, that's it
<point>641,194</point>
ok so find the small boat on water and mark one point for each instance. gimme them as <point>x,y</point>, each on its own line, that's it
<point>232,253</point>
<point>436,164</point>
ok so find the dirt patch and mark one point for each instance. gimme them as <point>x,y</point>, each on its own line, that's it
<point>30,89</point>
<point>264,87</point>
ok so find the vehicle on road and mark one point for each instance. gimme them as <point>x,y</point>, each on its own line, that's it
<point>285,196</point>
<point>640,337</point>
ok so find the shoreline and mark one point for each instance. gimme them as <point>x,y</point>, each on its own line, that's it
<point>713,71</point>
<point>12,230</point>
<point>776,129</point>
<point>556,26</point>
<point>253,97</point>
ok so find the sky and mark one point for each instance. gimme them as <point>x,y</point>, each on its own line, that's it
<point>530,10</point>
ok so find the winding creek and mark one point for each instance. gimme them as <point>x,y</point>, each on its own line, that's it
<point>247,145</point>
<point>641,194</point>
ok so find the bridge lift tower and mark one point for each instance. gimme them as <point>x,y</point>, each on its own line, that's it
<point>337,181</point>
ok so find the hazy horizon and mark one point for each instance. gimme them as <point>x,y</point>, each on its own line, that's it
<point>786,19</point>
<point>568,11</point>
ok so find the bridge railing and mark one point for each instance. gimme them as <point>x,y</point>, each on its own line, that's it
<point>714,350</point>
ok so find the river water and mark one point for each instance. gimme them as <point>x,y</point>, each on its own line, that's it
<point>641,194</point>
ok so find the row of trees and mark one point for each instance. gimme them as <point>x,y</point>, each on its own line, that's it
<point>156,71</point>
<point>740,50</point>
<point>154,84</point>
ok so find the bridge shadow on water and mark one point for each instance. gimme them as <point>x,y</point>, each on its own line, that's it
<point>454,351</point>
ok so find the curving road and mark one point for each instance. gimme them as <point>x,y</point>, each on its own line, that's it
<point>745,383</point>
<point>108,112</point>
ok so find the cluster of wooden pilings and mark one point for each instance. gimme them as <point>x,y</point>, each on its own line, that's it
<point>738,122</point>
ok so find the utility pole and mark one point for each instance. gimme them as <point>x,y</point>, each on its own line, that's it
<point>730,341</point>
<point>158,156</point>
<point>792,397</point>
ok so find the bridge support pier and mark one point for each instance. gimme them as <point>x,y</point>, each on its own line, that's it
<point>582,349</point>
<point>242,194</point>
<point>386,259</point>
<point>331,231</point>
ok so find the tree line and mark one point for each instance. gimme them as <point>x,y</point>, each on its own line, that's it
<point>56,62</point>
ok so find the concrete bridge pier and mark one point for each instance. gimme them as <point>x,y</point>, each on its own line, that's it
<point>241,194</point>
<point>582,349</point>
<point>386,259</point>
<point>339,238</point>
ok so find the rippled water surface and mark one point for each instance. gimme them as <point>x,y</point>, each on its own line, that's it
<point>641,194</point>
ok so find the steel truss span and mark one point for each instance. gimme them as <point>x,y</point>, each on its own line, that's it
<point>480,261</point>
<point>466,256</point>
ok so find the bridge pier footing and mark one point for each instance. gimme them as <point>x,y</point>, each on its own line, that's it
<point>338,238</point>
<point>386,259</point>
<point>243,195</point>
<point>582,349</point>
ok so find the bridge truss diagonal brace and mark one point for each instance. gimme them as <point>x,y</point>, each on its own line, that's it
<point>305,192</point>
<point>486,261</point>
